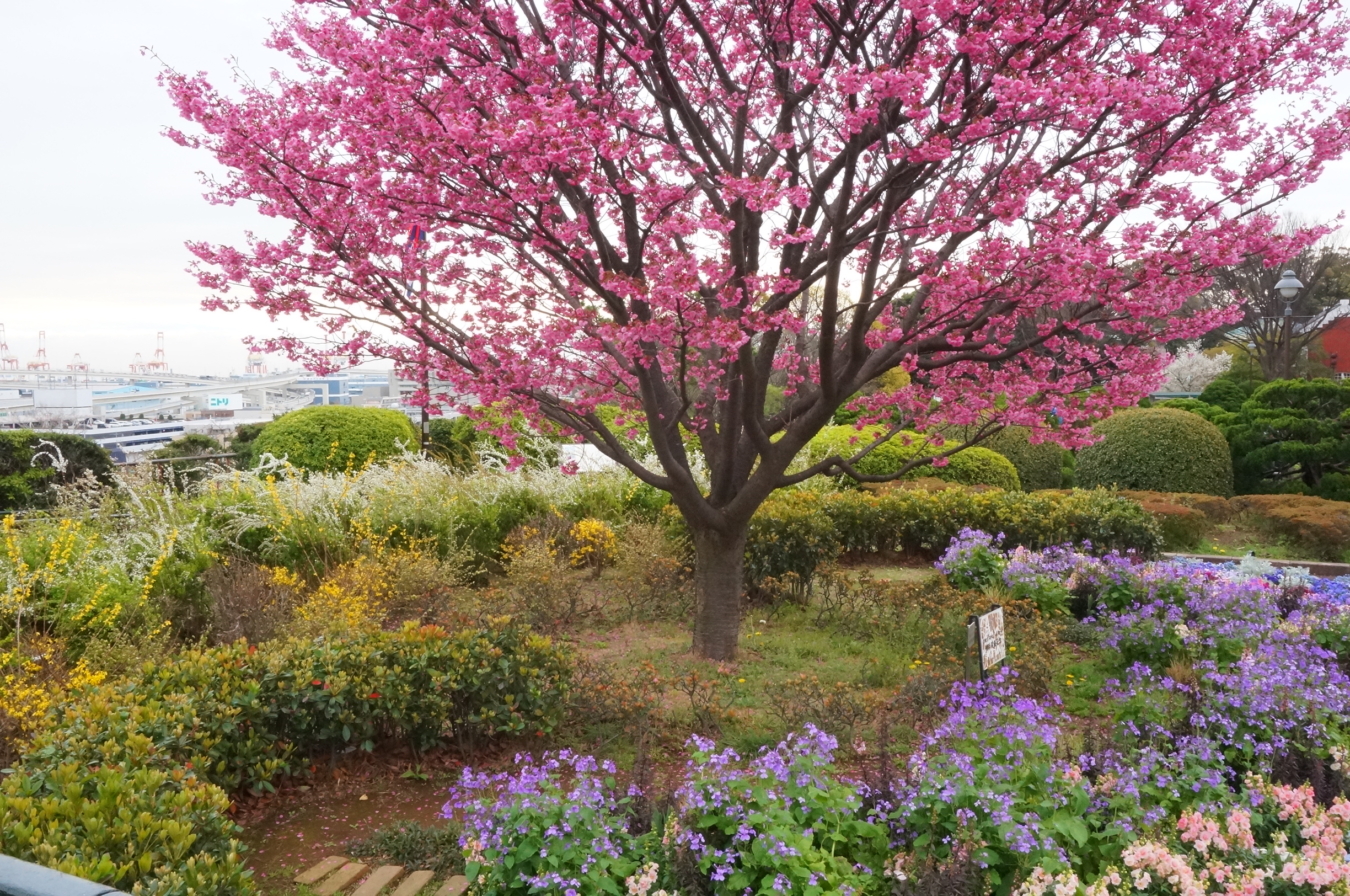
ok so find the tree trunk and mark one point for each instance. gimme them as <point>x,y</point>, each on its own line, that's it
<point>719,570</point>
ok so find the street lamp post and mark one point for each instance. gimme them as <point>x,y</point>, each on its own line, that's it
<point>1288,287</point>
<point>417,240</point>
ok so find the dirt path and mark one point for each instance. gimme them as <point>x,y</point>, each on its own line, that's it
<point>309,825</point>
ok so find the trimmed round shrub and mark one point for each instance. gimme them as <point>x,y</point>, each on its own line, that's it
<point>1226,393</point>
<point>26,484</point>
<point>1159,450</point>
<point>328,439</point>
<point>973,466</point>
<point>1038,466</point>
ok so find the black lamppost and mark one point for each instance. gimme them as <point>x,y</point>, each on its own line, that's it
<point>417,242</point>
<point>1288,287</point>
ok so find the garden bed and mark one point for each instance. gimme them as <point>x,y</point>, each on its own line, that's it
<point>849,634</point>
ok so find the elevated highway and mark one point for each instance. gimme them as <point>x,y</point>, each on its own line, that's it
<point>68,395</point>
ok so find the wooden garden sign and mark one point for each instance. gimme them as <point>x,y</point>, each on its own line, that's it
<point>986,636</point>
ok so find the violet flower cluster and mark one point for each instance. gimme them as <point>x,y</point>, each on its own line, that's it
<point>987,774</point>
<point>782,822</point>
<point>548,826</point>
<point>1221,672</point>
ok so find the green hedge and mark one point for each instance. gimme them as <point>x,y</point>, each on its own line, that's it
<point>127,785</point>
<point>1228,393</point>
<point>182,469</point>
<point>244,445</point>
<point>24,484</point>
<point>337,438</point>
<point>1158,450</point>
<point>973,466</point>
<point>796,531</point>
<point>1038,466</point>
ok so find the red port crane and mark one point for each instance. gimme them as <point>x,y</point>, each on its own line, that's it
<point>40,362</point>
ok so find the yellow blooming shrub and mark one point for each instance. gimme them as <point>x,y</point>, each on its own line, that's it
<point>594,545</point>
<point>81,581</point>
<point>32,679</point>
<point>128,782</point>
<point>353,597</point>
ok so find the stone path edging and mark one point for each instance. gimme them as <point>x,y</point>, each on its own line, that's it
<point>336,873</point>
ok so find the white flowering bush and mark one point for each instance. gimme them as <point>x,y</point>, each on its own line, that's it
<point>1191,370</point>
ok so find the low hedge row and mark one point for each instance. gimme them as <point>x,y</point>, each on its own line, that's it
<point>795,532</point>
<point>1315,525</point>
<point>128,783</point>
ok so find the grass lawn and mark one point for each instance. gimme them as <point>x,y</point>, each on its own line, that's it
<point>1238,539</point>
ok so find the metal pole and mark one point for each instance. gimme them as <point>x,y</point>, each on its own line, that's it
<point>1288,341</point>
<point>426,376</point>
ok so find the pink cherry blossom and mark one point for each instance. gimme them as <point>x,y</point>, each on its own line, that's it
<point>676,206</point>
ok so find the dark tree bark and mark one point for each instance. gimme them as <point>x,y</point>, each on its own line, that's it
<point>719,578</point>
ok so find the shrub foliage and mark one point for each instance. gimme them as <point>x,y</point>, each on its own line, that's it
<point>128,784</point>
<point>973,466</point>
<point>1157,449</point>
<point>336,438</point>
<point>795,532</point>
<point>1291,431</point>
<point>29,469</point>
<point>1038,466</point>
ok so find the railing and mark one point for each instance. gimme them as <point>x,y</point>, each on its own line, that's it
<point>26,879</point>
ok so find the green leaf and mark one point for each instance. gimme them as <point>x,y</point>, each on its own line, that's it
<point>1071,827</point>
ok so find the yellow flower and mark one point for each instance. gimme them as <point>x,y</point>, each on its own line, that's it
<point>596,544</point>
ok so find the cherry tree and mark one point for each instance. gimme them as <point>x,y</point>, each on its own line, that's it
<point>676,206</point>
<point>1191,370</point>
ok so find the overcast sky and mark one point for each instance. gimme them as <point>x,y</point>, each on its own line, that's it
<point>95,204</point>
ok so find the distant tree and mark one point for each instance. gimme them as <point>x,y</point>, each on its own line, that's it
<point>32,463</point>
<point>454,441</point>
<point>243,444</point>
<point>190,445</point>
<point>460,443</point>
<point>183,455</point>
<point>1191,370</point>
<point>1324,270</point>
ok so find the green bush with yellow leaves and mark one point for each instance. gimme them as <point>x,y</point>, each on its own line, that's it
<point>128,783</point>
<point>972,466</point>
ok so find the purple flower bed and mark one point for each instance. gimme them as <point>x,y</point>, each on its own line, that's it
<point>1218,679</point>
